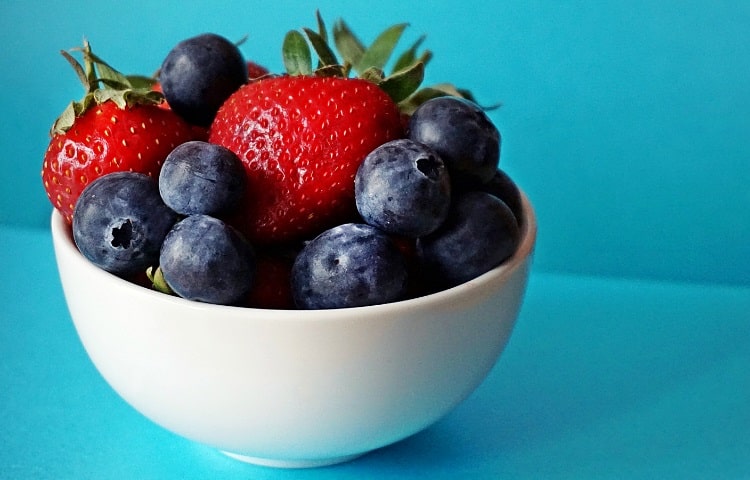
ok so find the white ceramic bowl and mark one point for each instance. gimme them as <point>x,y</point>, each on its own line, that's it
<point>293,388</point>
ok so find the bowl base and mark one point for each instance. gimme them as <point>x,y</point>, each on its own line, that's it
<point>302,463</point>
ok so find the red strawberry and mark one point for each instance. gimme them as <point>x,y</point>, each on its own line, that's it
<point>272,287</point>
<point>301,140</point>
<point>118,126</point>
<point>199,133</point>
<point>256,71</point>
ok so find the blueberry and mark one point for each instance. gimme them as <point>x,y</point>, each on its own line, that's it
<point>350,265</point>
<point>119,222</point>
<point>206,260</point>
<point>403,188</point>
<point>462,134</point>
<point>199,74</point>
<point>503,187</point>
<point>200,177</point>
<point>478,235</point>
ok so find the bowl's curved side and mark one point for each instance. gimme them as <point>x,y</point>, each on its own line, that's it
<point>291,385</point>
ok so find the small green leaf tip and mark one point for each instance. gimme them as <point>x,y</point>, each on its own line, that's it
<point>102,83</point>
<point>157,280</point>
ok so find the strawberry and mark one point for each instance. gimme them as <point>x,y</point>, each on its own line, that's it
<point>199,133</point>
<point>302,136</point>
<point>301,140</point>
<point>272,288</point>
<point>256,71</point>
<point>118,126</point>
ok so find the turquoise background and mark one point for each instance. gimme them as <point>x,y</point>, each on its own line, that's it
<point>624,121</point>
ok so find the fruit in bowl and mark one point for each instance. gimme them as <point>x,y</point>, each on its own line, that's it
<point>327,274</point>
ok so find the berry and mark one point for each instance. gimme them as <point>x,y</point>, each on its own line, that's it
<point>350,265</point>
<point>403,188</point>
<point>462,134</point>
<point>204,259</point>
<point>272,288</point>
<point>120,222</point>
<point>256,71</point>
<point>503,187</point>
<point>110,130</point>
<point>301,140</point>
<point>199,177</point>
<point>199,74</point>
<point>479,234</point>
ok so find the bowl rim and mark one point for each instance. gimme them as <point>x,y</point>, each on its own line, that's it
<point>63,240</point>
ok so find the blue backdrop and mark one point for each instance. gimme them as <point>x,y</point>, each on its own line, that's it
<point>624,121</point>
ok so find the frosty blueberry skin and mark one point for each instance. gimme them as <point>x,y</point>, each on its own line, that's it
<point>199,74</point>
<point>120,221</point>
<point>206,260</point>
<point>351,265</point>
<point>403,188</point>
<point>479,234</point>
<point>462,134</point>
<point>201,178</point>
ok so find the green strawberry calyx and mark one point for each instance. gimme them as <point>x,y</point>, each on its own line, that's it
<point>403,81</point>
<point>102,83</point>
<point>158,282</point>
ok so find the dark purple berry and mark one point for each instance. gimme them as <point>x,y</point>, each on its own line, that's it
<point>403,188</point>
<point>199,74</point>
<point>120,221</point>
<point>462,134</point>
<point>478,235</point>
<point>206,260</point>
<point>200,177</point>
<point>503,187</point>
<point>351,265</point>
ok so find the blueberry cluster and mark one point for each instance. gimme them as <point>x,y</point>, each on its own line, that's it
<point>126,222</point>
<point>439,191</point>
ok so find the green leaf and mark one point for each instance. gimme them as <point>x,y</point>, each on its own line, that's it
<point>150,97</point>
<point>141,82</point>
<point>107,73</point>
<point>322,31</point>
<point>410,104</point>
<point>378,54</point>
<point>402,84</point>
<point>332,71</point>
<point>158,281</point>
<point>114,84</point>
<point>325,54</point>
<point>296,54</point>
<point>82,77</point>
<point>374,75</point>
<point>409,57</point>
<point>106,94</point>
<point>65,120</point>
<point>241,41</point>
<point>88,64</point>
<point>347,44</point>
<point>425,57</point>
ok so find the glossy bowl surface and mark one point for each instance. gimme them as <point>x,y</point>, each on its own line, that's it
<point>293,388</point>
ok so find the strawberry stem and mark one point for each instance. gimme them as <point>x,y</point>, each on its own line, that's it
<point>103,83</point>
